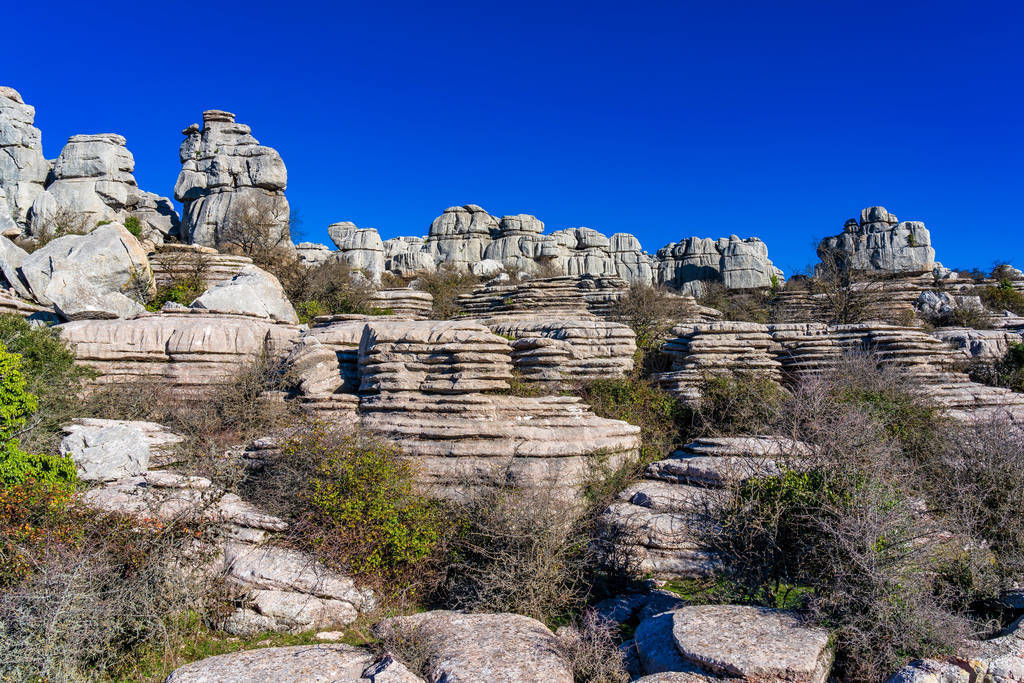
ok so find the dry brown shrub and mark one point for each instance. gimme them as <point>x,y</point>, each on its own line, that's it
<point>590,648</point>
<point>445,285</point>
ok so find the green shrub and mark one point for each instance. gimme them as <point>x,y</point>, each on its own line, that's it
<point>737,403</point>
<point>183,292</point>
<point>359,509</point>
<point>1003,297</point>
<point>1007,372</point>
<point>133,225</point>
<point>51,375</point>
<point>16,405</point>
<point>662,418</point>
<point>445,285</point>
<point>744,305</point>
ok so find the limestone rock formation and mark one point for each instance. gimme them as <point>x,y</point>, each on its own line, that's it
<point>460,235</point>
<point>880,243</point>
<point>85,276</point>
<point>309,663</point>
<point>575,297</point>
<point>564,351</point>
<point>230,184</point>
<point>498,648</point>
<point>984,345</point>
<point>160,441</point>
<point>692,263</point>
<point>361,248</point>
<point>408,304</point>
<point>108,452</point>
<point>183,351</point>
<point>408,257</point>
<point>23,169</point>
<point>92,178</point>
<point>313,253</point>
<point>252,291</point>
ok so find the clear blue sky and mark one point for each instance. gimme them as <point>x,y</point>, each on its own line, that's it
<point>774,119</point>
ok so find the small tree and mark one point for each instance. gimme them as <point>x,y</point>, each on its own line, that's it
<point>847,296</point>
<point>257,227</point>
<point>63,220</point>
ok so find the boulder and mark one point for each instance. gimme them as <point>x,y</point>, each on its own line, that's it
<point>307,663</point>
<point>11,258</point>
<point>105,453</point>
<point>23,169</point>
<point>253,291</point>
<point>460,234</point>
<point>226,174</point>
<point>160,441</point>
<point>361,248</point>
<point>691,264</point>
<point>483,647</point>
<point>752,643</point>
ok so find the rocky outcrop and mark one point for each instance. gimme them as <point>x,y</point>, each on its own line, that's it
<point>313,253</point>
<point>309,663</point>
<point>460,235</point>
<point>89,276</point>
<point>183,351</point>
<point>252,291</point>
<point>689,265</point>
<point>160,442</point>
<point>561,352</point>
<point>652,520</point>
<point>23,169</point>
<point>575,297</point>
<point>230,183</point>
<point>408,304</point>
<point>407,257</point>
<point>880,242</point>
<point>498,648</point>
<point>981,345</point>
<point>1000,660</point>
<point>107,452</point>
<point>706,349</point>
<point>92,179</point>
<point>360,248</point>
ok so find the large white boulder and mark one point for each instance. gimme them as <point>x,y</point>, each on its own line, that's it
<point>107,452</point>
<point>253,291</point>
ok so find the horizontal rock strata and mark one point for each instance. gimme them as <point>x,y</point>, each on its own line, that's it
<point>174,263</point>
<point>573,296</point>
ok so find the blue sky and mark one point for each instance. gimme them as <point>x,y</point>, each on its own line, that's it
<point>771,119</point>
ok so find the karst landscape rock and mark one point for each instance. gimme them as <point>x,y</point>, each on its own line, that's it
<point>495,366</point>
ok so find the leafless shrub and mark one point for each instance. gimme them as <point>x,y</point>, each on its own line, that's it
<point>590,649</point>
<point>445,285</point>
<point>517,550</point>
<point>651,312</point>
<point>744,305</point>
<point>258,227</point>
<point>413,645</point>
<point>62,221</point>
<point>847,294</point>
<point>327,288</point>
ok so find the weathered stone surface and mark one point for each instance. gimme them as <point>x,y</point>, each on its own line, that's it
<point>984,345</point>
<point>23,169</point>
<point>361,248</point>
<point>105,453</point>
<point>185,350</point>
<point>496,648</point>
<point>460,234</point>
<point>572,297</point>
<point>159,440</point>
<point>173,263</point>
<point>569,350</point>
<point>307,663</point>
<point>753,643</point>
<point>11,258</point>
<point>226,172</point>
<point>312,253</point>
<point>253,291</point>
<point>408,304</point>
<point>737,263</point>
<point>880,242</point>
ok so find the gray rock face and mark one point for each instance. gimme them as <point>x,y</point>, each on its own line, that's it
<point>752,643</point>
<point>312,253</point>
<point>105,453</point>
<point>460,235</point>
<point>361,248</point>
<point>737,263</point>
<point>253,291</point>
<point>986,345</point>
<point>23,169</point>
<point>498,648</point>
<point>310,663</point>
<point>226,172</point>
<point>93,178</point>
<point>881,243</point>
<point>11,258</point>
<point>86,276</point>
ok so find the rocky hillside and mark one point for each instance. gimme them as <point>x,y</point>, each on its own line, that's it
<point>491,452</point>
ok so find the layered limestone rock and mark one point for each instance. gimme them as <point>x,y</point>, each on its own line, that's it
<point>689,265</point>
<point>174,263</point>
<point>187,351</point>
<point>313,253</point>
<point>519,245</point>
<point>279,589</point>
<point>160,442</point>
<point>23,169</point>
<point>575,297</point>
<point>880,242</point>
<point>1000,659</point>
<point>561,352</point>
<point>12,303</point>
<point>425,385</point>
<point>408,257</point>
<point>230,183</point>
<point>460,235</point>
<point>90,276</point>
<point>653,519</point>
<point>408,304</point>
<point>498,648</point>
<point>701,350</point>
<point>361,248</point>
<point>92,178</point>
<point>812,348</point>
<point>333,663</point>
<point>981,345</point>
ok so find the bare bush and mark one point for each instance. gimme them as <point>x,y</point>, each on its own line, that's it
<point>744,305</point>
<point>590,648</point>
<point>415,646</point>
<point>847,294</point>
<point>62,221</point>
<point>651,312</point>
<point>327,288</point>
<point>445,285</point>
<point>258,227</point>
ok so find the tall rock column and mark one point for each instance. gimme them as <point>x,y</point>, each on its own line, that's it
<point>23,169</point>
<point>881,243</point>
<point>231,186</point>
